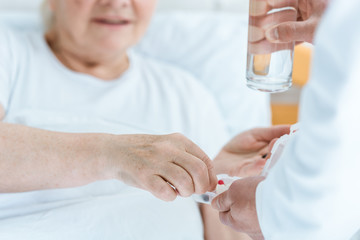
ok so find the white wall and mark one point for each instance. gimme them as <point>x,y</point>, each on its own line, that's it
<point>228,5</point>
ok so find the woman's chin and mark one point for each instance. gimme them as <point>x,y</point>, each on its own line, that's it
<point>112,47</point>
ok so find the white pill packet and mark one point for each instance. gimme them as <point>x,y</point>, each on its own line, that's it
<point>278,148</point>
<point>276,152</point>
<point>224,182</point>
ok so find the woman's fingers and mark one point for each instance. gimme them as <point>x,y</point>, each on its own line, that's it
<point>196,151</point>
<point>198,172</point>
<point>186,173</point>
<point>160,188</point>
<point>173,159</point>
<point>180,178</point>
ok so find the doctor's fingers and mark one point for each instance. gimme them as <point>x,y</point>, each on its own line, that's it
<point>292,32</point>
<point>228,219</point>
<point>262,7</point>
<point>271,145</point>
<point>269,134</point>
<point>222,202</point>
<point>266,152</point>
<point>259,25</point>
<point>253,168</point>
<point>263,49</point>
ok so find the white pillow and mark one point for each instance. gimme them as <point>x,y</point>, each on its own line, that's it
<point>211,46</point>
<point>20,4</point>
<point>23,20</point>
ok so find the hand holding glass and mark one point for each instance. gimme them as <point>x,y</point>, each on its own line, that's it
<point>269,63</point>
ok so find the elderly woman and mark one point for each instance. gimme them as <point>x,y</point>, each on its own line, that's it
<point>69,102</point>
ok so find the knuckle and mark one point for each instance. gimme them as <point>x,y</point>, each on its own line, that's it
<point>187,191</point>
<point>286,33</point>
<point>186,185</point>
<point>200,170</point>
<point>201,187</point>
<point>165,193</point>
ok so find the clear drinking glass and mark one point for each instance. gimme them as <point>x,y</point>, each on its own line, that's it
<point>269,64</point>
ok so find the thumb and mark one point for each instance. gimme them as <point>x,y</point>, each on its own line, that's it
<point>291,32</point>
<point>222,203</point>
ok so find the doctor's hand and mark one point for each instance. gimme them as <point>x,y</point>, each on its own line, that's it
<point>152,162</point>
<point>296,25</point>
<point>237,207</point>
<point>276,31</point>
<point>246,154</point>
<point>309,16</point>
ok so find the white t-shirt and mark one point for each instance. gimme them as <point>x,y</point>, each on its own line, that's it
<point>313,190</point>
<point>38,91</point>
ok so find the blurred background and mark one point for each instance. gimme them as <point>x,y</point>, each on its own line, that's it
<point>228,5</point>
<point>284,106</point>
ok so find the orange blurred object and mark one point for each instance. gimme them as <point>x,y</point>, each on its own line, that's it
<point>262,64</point>
<point>302,64</point>
<point>287,113</point>
<point>284,113</point>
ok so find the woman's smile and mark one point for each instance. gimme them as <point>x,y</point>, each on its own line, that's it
<point>112,22</point>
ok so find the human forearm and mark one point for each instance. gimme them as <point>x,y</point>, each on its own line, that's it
<point>33,159</point>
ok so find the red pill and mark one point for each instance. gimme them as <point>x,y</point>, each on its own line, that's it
<point>221,182</point>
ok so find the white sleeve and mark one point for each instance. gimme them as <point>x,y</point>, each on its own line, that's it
<point>5,58</point>
<point>313,191</point>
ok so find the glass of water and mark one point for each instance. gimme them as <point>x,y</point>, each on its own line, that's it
<point>269,64</point>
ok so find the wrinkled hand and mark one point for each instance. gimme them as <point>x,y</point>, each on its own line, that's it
<point>237,207</point>
<point>152,162</point>
<point>278,30</point>
<point>246,154</point>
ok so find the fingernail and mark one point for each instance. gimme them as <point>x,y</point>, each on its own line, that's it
<point>272,34</point>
